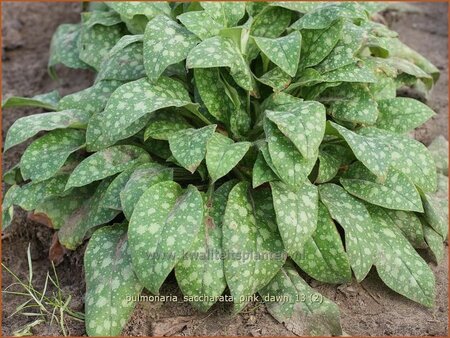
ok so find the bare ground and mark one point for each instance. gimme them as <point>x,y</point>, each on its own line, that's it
<point>369,308</point>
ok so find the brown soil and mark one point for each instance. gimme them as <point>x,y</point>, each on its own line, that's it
<point>369,308</point>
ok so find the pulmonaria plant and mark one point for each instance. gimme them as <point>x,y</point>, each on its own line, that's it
<point>235,143</point>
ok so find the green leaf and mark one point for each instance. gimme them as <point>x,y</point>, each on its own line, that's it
<point>296,212</point>
<point>276,78</point>
<point>32,193</point>
<point>100,31</point>
<point>222,155</point>
<point>406,273</point>
<point>13,175</point>
<point>131,102</point>
<point>111,284</point>
<point>47,101</point>
<point>318,44</point>
<point>92,99</point>
<point>395,192</point>
<point>252,242</point>
<point>290,300</point>
<point>106,163</point>
<point>45,156</point>
<point>434,241</point>
<point>329,165</point>
<point>201,271</point>
<point>211,89</point>
<point>188,146</point>
<point>410,226</point>
<point>439,151</point>
<point>165,43</point>
<point>323,256</point>
<point>283,51</point>
<point>140,180</point>
<point>352,215</point>
<point>64,48</point>
<point>322,17</point>
<point>59,209</point>
<point>28,126</point>
<point>434,215</point>
<point>262,172</point>
<point>162,124</point>
<point>226,13</point>
<point>289,164</point>
<point>409,156</point>
<point>89,215</point>
<point>124,62</point>
<point>225,53</point>
<point>303,124</point>
<point>8,206</point>
<point>402,114</point>
<point>200,23</point>
<point>355,72</point>
<point>162,228</point>
<point>372,151</point>
<point>352,102</point>
<point>271,22</point>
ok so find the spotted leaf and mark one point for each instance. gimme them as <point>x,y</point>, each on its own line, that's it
<point>226,13</point>
<point>289,164</point>
<point>296,213</point>
<point>329,165</point>
<point>407,273</point>
<point>165,43</point>
<point>283,51</point>
<point>106,163</point>
<point>251,240</point>
<point>8,206</point>
<point>434,215</point>
<point>188,146</point>
<point>434,242</point>
<point>353,216</point>
<point>64,48</point>
<point>47,101</point>
<point>163,123</point>
<point>395,192</point>
<point>303,124</point>
<point>290,300</point>
<point>409,224</point>
<point>140,180</point>
<point>261,172</point>
<point>276,78</point>
<point>200,23</point>
<point>163,227</point>
<point>28,126</point>
<point>323,256</point>
<point>402,114</point>
<point>222,155</point>
<point>89,215</point>
<point>439,151</point>
<point>221,52</point>
<point>201,270</point>
<point>45,156</point>
<point>111,285</point>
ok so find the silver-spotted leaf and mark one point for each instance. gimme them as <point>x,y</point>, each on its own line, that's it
<point>8,206</point>
<point>290,300</point>
<point>253,246</point>
<point>353,216</point>
<point>188,146</point>
<point>329,166</point>
<point>222,155</point>
<point>395,192</point>
<point>303,124</point>
<point>283,51</point>
<point>276,78</point>
<point>221,52</point>
<point>227,14</point>
<point>262,172</point>
<point>323,256</point>
<point>200,23</point>
<point>106,163</point>
<point>406,273</point>
<point>140,180</point>
<point>435,243</point>
<point>409,224</point>
<point>402,114</point>
<point>201,271</point>
<point>296,213</point>
<point>289,163</point>
<point>45,156</point>
<point>163,227</point>
<point>165,43</point>
<point>28,126</point>
<point>434,215</point>
<point>111,284</point>
<point>164,123</point>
